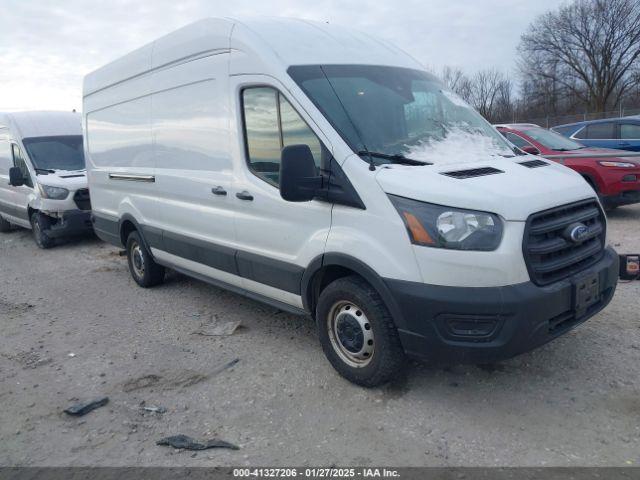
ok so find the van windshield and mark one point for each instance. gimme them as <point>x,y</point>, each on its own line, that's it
<point>398,111</point>
<point>56,153</point>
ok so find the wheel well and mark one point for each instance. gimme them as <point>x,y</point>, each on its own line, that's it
<point>30,212</point>
<point>591,182</point>
<point>322,278</point>
<point>125,229</point>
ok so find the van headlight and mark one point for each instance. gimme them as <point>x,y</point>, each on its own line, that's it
<point>53,193</point>
<point>438,226</point>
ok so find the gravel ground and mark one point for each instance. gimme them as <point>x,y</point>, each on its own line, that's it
<point>75,326</point>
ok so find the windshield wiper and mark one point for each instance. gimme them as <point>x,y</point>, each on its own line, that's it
<point>44,170</point>
<point>395,158</point>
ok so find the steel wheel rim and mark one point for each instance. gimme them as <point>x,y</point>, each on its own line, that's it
<point>137,259</point>
<point>351,334</point>
<point>37,232</point>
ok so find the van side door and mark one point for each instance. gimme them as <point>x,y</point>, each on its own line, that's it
<point>277,239</point>
<point>194,169</point>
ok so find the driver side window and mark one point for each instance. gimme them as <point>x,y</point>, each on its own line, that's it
<point>271,123</point>
<point>19,161</point>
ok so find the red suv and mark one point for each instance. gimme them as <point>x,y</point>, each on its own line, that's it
<point>615,179</point>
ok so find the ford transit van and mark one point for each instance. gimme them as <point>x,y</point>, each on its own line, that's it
<point>43,183</point>
<point>325,172</point>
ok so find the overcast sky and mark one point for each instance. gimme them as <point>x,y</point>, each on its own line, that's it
<point>46,47</point>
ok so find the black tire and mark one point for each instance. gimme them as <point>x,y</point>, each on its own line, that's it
<point>339,315</point>
<point>40,225</point>
<point>4,225</point>
<point>144,270</point>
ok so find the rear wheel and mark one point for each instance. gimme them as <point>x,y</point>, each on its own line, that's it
<point>357,332</point>
<point>4,225</point>
<point>144,270</point>
<point>40,225</point>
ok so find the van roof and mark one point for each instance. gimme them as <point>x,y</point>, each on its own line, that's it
<point>276,43</point>
<point>42,124</point>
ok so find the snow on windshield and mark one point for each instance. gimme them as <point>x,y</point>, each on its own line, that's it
<point>459,145</point>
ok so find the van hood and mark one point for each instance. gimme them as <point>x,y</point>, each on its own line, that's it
<point>71,180</point>
<point>514,191</point>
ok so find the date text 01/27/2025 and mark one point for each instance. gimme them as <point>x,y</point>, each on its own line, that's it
<point>315,472</point>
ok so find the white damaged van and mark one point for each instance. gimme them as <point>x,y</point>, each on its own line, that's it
<point>43,183</point>
<point>325,172</point>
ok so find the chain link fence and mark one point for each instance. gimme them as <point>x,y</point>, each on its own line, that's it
<point>552,121</point>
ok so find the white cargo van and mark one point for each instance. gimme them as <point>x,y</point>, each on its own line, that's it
<point>43,183</point>
<point>327,173</point>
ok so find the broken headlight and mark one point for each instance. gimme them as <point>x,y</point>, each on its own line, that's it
<point>53,193</point>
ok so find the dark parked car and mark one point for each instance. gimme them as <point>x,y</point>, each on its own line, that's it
<point>619,133</point>
<point>615,179</point>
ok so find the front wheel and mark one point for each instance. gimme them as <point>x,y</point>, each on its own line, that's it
<point>144,270</point>
<point>357,332</point>
<point>40,225</point>
<point>4,225</point>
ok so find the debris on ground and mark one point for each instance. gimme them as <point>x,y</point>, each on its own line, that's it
<point>154,409</point>
<point>217,329</point>
<point>225,366</point>
<point>185,442</point>
<point>80,409</point>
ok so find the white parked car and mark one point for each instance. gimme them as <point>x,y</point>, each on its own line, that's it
<point>325,172</point>
<point>43,183</point>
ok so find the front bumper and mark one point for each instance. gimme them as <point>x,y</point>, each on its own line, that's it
<point>481,325</point>
<point>71,223</point>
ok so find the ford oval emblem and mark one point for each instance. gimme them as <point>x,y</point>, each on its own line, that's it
<point>579,232</point>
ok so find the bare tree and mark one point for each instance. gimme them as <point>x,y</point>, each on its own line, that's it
<point>590,48</point>
<point>488,91</point>
<point>491,93</point>
<point>457,81</point>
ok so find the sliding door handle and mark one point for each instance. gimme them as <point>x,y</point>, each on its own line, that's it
<point>132,177</point>
<point>218,190</point>
<point>244,195</point>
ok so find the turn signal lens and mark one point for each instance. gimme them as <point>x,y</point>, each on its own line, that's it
<point>419,234</point>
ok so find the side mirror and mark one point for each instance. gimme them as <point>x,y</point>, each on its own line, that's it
<point>16,178</point>
<point>530,149</point>
<point>299,179</point>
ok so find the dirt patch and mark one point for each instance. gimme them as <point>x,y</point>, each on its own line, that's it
<point>182,379</point>
<point>104,268</point>
<point>139,383</point>
<point>28,359</point>
<point>9,308</point>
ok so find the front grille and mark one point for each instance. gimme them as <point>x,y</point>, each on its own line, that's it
<point>550,253</point>
<point>474,172</point>
<point>82,199</point>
